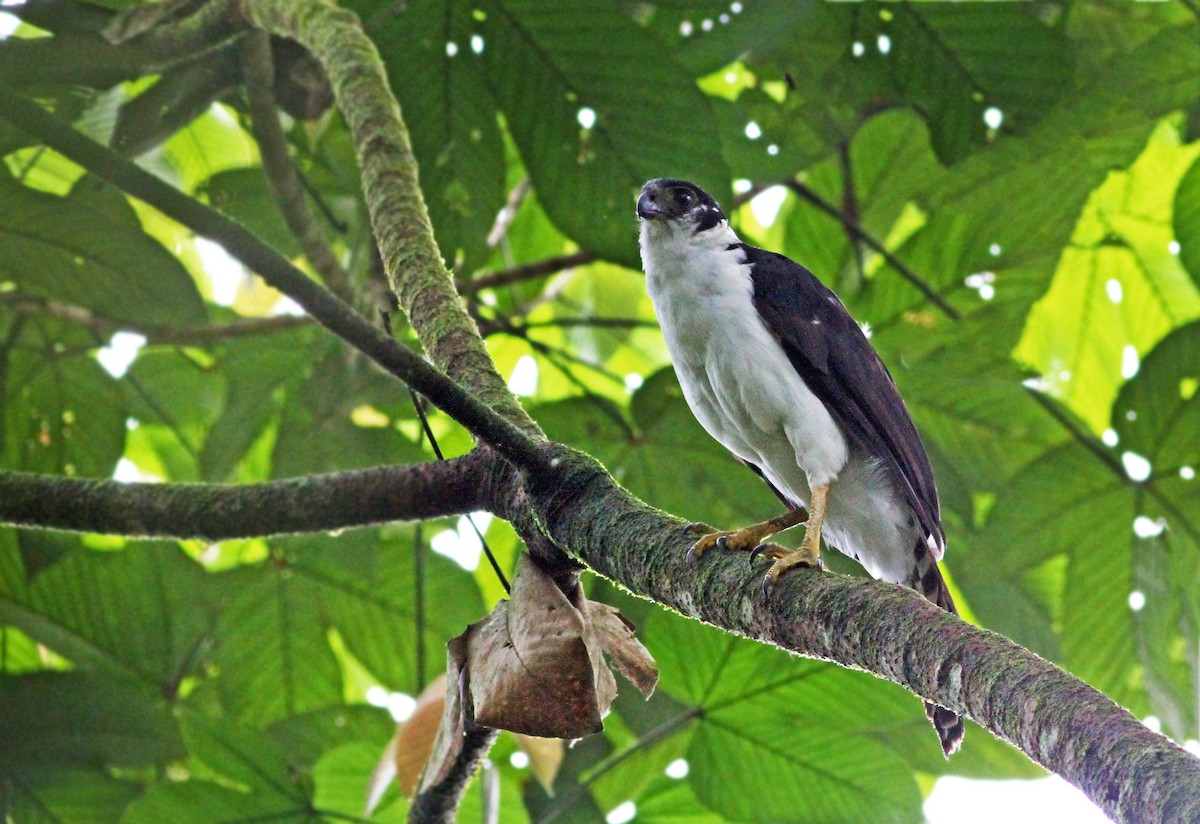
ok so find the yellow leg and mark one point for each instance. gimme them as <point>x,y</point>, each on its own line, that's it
<point>809,553</point>
<point>746,539</point>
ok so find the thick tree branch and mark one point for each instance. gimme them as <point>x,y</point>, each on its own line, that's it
<point>414,264</point>
<point>314,503</point>
<point>1133,774</point>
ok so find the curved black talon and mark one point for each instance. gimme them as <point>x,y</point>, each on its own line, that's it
<point>758,550</point>
<point>721,543</point>
<point>768,585</point>
<point>690,558</point>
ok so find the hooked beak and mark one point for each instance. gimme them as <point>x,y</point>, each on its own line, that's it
<point>647,208</point>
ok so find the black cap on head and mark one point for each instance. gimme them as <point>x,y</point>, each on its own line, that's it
<point>668,198</point>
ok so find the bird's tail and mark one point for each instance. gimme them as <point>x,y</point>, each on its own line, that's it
<point>927,579</point>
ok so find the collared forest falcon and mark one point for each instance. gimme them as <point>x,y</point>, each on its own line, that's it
<point>776,370</point>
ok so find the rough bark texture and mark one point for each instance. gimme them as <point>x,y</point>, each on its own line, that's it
<point>1133,774</point>
<point>414,264</point>
<point>314,503</point>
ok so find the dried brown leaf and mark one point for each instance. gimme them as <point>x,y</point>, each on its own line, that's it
<point>536,665</point>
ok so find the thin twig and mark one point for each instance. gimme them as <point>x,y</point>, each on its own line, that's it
<point>437,451</point>
<point>528,271</point>
<point>857,231</point>
<point>508,213</point>
<point>35,306</point>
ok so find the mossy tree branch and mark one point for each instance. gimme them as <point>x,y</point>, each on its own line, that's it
<point>215,512</point>
<point>415,269</point>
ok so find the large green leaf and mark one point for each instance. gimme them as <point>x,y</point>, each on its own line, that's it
<point>613,110</point>
<point>264,784</point>
<point>1156,417</point>
<point>88,250</point>
<point>254,370</point>
<point>1186,220</point>
<point>1117,289</point>
<point>783,739</point>
<point>952,62</point>
<point>145,612</point>
<point>71,794</point>
<point>50,720</point>
<point>64,415</point>
<point>434,69</point>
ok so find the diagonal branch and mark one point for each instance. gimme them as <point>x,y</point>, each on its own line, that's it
<point>415,269</point>
<point>481,419</point>
<point>852,228</point>
<point>1133,774</point>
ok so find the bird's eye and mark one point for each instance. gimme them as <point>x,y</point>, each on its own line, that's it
<point>684,197</point>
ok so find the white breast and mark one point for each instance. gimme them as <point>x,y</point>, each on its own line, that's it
<point>745,392</point>
<point>734,374</point>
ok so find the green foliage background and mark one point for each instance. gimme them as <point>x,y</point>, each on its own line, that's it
<point>155,682</point>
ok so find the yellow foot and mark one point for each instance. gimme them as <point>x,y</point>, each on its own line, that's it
<point>746,539</point>
<point>786,559</point>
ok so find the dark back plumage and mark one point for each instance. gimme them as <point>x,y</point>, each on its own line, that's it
<point>839,365</point>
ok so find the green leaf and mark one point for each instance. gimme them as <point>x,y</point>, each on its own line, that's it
<point>450,116</point>
<point>203,802</point>
<point>88,250</point>
<point>65,416</point>
<point>951,63</point>
<point>1156,417</point>
<point>76,795</point>
<point>778,737</point>
<point>341,784</point>
<point>587,56</point>
<point>1117,289</point>
<point>320,428</point>
<point>50,720</point>
<point>1186,214</point>
<point>153,633</point>
<point>246,756</point>
<point>210,144</point>
<point>271,646</point>
<point>254,369</point>
<point>366,585</point>
<point>242,194</point>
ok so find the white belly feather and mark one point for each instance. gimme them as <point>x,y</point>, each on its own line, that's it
<point>744,391</point>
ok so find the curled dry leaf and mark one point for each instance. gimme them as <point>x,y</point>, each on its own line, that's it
<point>536,666</point>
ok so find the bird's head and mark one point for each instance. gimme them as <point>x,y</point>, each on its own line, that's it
<point>677,205</point>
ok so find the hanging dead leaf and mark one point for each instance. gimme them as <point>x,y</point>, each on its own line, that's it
<point>536,666</point>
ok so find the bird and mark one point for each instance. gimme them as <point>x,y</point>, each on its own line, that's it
<point>776,370</point>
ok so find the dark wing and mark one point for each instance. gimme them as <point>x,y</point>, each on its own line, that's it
<point>833,356</point>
